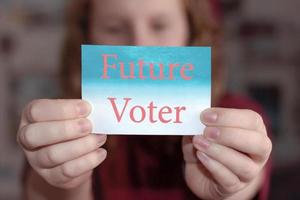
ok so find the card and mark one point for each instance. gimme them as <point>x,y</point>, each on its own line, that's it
<point>146,90</point>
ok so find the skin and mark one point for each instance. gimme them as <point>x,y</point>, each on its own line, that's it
<point>226,162</point>
<point>124,23</point>
<point>233,150</point>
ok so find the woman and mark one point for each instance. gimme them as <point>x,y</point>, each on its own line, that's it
<point>227,162</point>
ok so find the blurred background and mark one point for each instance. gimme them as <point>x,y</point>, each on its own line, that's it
<point>261,48</point>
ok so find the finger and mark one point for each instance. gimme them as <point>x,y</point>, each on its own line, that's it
<point>236,118</point>
<point>226,182</point>
<point>77,167</point>
<point>37,135</point>
<point>254,143</point>
<point>189,152</point>
<point>53,110</point>
<point>57,154</point>
<point>240,164</point>
<point>77,181</point>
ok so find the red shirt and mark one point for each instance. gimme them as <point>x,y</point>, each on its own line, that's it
<point>151,167</point>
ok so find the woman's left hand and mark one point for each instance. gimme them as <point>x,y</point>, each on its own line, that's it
<point>227,160</point>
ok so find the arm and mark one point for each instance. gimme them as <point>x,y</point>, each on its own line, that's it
<point>36,188</point>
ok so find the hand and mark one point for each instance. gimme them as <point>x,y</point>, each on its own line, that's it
<point>55,136</point>
<point>230,155</point>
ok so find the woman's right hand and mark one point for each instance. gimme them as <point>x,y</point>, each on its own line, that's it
<point>55,136</point>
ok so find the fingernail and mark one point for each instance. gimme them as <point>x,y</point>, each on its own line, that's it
<point>84,126</point>
<point>82,108</point>
<point>202,157</point>
<point>100,139</point>
<point>212,133</point>
<point>102,152</point>
<point>209,116</point>
<point>201,143</point>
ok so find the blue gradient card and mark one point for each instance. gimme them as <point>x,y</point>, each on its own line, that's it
<point>146,90</point>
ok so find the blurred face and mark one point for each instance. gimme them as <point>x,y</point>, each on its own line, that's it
<point>139,22</point>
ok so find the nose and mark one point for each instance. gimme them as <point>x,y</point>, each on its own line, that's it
<point>141,40</point>
<point>141,36</point>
